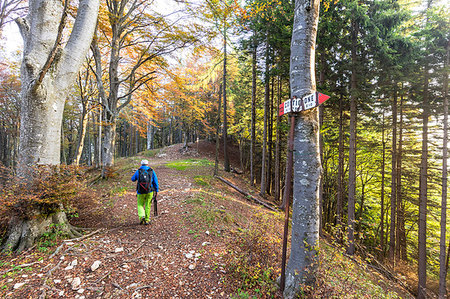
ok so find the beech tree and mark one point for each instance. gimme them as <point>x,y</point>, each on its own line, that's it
<point>307,166</point>
<point>48,72</point>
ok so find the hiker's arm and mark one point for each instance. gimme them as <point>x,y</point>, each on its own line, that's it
<point>155,183</point>
<point>135,176</point>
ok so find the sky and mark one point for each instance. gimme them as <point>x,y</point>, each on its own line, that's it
<point>13,42</point>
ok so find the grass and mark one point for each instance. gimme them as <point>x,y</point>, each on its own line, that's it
<point>203,180</point>
<point>189,164</point>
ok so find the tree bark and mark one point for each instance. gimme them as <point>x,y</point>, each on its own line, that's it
<point>423,197</point>
<point>400,234</point>
<point>392,237</point>
<point>226,159</point>
<point>442,249</point>
<point>352,147</point>
<point>150,135</point>
<point>262,192</point>
<point>45,88</point>
<point>253,125</point>
<point>216,162</point>
<point>340,191</point>
<point>47,73</point>
<point>383,164</point>
<point>277,148</point>
<point>307,167</point>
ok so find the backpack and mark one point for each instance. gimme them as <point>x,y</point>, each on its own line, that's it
<point>144,183</point>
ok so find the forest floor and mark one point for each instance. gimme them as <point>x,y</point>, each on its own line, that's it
<point>208,241</point>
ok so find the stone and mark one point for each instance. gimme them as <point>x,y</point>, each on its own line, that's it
<point>192,267</point>
<point>80,291</point>
<point>76,282</point>
<point>57,281</point>
<point>206,243</point>
<point>207,232</point>
<point>189,255</point>
<point>95,265</point>
<point>18,285</point>
<point>119,249</point>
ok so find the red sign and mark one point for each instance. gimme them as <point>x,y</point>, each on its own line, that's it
<point>307,102</point>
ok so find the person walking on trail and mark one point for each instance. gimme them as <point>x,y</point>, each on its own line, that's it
<point>147,188</point>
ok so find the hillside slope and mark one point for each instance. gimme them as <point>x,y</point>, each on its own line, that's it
<point>208,241</point>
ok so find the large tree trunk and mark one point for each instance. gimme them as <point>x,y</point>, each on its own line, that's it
<point>352,146</point>
<point>393,179</point>
<point>262,192</point>
<point>400,233</point>
<point>307,167</point>
<point>340,191</point>
<point>226,159</point>
<point>47,73</point>
<point>269,186</point>
<point>383,163</point>
<point>423,196</point>
<point>442,253</point>
<point>253,126</point>
<point>277,148</point>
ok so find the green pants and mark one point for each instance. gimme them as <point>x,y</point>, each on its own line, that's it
<point>144,203</point>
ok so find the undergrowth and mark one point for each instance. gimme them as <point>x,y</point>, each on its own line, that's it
<point>46,188</point>
<point>253,256</point>
<point>189,163</point>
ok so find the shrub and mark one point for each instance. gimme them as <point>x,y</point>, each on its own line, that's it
<point>253,255</point>
<point>48,188</point>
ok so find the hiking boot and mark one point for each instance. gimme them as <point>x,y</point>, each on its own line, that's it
<point>142,221</point>
<point>146,222</point>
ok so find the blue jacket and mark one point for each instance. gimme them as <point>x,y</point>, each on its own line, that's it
<point>154,182</point>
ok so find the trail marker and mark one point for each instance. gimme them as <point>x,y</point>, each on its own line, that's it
<point>307,102</point>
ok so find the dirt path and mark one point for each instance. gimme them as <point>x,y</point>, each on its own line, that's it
<point>170,258</point>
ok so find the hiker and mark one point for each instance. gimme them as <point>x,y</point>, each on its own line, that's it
<point>147,188</point>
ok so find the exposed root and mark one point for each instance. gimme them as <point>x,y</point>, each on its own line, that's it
<point>23,233</point>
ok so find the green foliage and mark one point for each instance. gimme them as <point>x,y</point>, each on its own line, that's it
<point>340,277</point>
<point>50,238</point>
<point>203,180</point>
<point>189,163</point>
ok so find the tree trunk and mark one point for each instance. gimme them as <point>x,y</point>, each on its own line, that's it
<point>392,237</point>
<point>270,142</point>
<point>150,135</point>
<point>442,253</point>
<point>400,234</point>
<point>23,233</point>
<point>262,191</point>
<point>352,146</point>
<point>253,129</point>
<point>108,144</point>
<point>47,74</point>
<point>277,148</point>
<point>307,170</point>
<point>340,191</point>
<point>423,197</point>
<point>216,162</point>
<point>226,160</point>
<point>383,164</point>
<point>82,132</point>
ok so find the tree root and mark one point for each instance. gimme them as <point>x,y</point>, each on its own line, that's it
<point>23,233</point>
